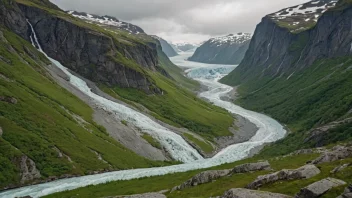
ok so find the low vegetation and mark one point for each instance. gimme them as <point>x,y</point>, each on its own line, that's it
<point>152,141</point>
<point>205,146</point>
<point>218,187</point>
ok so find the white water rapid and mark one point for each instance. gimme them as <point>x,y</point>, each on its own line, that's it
<point>269,131</point>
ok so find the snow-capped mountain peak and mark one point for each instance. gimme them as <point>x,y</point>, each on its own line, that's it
<point>238,38</point>
<point>301,17</point>
<point>107,21</point>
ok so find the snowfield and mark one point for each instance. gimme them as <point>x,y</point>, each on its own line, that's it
<point>238,38</point>
<point>269,131</point>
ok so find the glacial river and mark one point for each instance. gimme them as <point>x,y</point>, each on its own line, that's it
<point>269,130</point>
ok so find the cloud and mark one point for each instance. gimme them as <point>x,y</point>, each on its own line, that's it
<point>184,20</point>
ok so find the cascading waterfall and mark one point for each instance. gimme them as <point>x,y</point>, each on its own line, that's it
<point>174,143</point>
<point>269,131</point>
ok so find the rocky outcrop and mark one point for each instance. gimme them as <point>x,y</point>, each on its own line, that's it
<point>337,153</point>
<point>347,193</point>
<point>28,169</point>
<point>250,167</point>
<point>93,54</point>
<point>8,99</point>
<point>276,51</point>
<point>202,178</point>
<point>303,172</point>
<point>319,188</point>
<point>211,175</point>
<point>228,49</point>
<point>246,193</point>
<point>340,168</point>
<point>1,131</point>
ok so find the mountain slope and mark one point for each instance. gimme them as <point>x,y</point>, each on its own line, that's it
<point>166,47</point>
<point>300,78</point>
<point>228,49</point>
<point>183,47</point>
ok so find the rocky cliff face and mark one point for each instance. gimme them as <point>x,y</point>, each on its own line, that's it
<point>278,48</point>
<point>166,47</point>
<point>95,54</point>
<point>228,49</point>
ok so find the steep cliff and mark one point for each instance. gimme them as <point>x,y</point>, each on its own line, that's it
<point>166,47</point>
<point>228,49</point>
<point>300,76</point>
<point>114,59</point>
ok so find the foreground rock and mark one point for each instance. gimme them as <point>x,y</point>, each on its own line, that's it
<point>246,193</point>
<point>340,168</point>
<point>146,195</point>
<point>347,193</point>
<point>245,168</point>
<point>303,172</point>
<point>202,178</point>
<point>209,176</point>
<point>337,153</point>
<point>319,188</point>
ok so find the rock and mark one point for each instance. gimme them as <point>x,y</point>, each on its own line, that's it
<point>340,168</point>
<point>337,153</point>
<point>347,193</point>
<point>246,193</point>
<point>319,188</point>
<point>202,178</point>
<point>303,172</point>
<point>1,132</point>
<point>28,169</point>
<point>146,195</point>
<point>244,168</point>
<point>8,99</point>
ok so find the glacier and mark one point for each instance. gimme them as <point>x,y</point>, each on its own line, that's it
<point>269,130</point>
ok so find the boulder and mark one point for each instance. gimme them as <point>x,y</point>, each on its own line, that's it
<point>28,169</point>
<point>1,132</point>
<point>244,168</point>
<point>319,188</point>
<point>347,193</point>
<point>246,193</point>
<point>7,99</point>
<point>340,168</point>
<point>303,172</point>
<point>337,153</point>
<point>202,178</point>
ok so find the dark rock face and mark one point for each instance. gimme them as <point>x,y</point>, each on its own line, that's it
<point>222,50</point>
<point>318,188</point>
<point>166,47</point>
<point>275,51</point>
<point>304,172</point>
<point>91,54</point>
<point>245,193</point>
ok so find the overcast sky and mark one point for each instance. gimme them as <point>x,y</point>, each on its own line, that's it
<point>184,20</point>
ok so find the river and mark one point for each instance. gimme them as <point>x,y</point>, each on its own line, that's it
<point>269,130</point>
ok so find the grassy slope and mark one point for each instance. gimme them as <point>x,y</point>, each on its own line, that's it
<point>38,122</point>
<point>205,146</point>
<point>218,187</point>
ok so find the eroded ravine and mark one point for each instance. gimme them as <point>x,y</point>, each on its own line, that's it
<point>269,131</point>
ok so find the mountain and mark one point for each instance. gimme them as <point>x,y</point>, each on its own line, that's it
<point>184,46</point>
<point>228,49</point>
<point>107,21</point>
<point>298,70</point>
<point>75,95</point>
<point>166,47</point>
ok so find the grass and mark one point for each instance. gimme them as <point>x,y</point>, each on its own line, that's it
<point>218,187</point>
<point>38,122</point>
<point>204,146</point>
<point>152,141</point>
<point>179,108</point>
<point>124,122</point>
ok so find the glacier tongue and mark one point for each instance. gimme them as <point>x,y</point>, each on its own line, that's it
<point>269,131</point>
